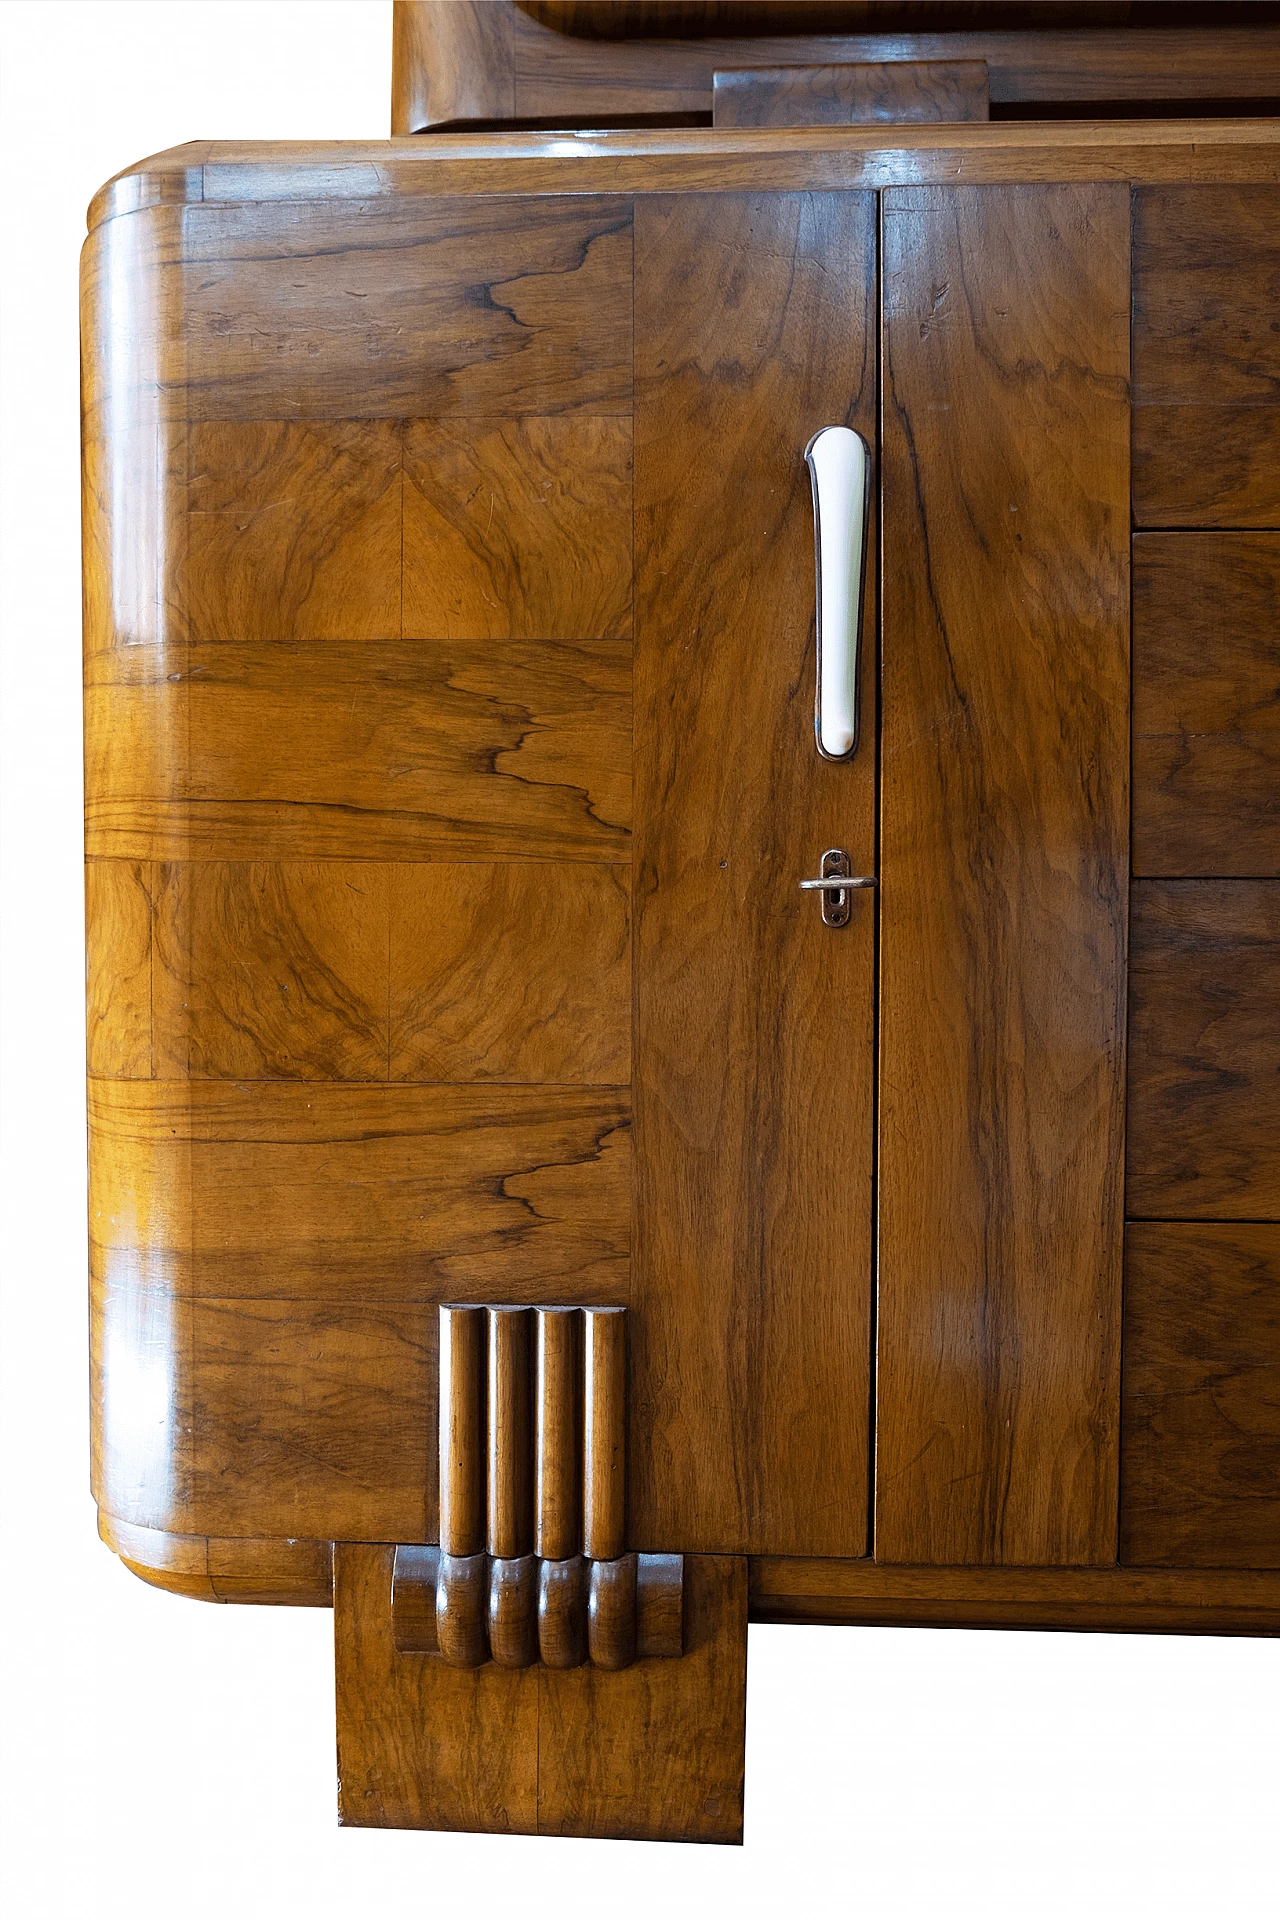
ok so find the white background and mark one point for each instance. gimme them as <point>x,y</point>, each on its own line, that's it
<point>168,1757</point>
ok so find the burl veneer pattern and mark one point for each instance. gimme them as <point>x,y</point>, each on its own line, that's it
<point>510,971</point>
<point>358,522</point>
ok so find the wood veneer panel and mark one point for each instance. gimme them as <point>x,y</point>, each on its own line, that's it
<point>439,309</point>
<point>422,1743</point>
<point>511,972</point>
<point>117,918</point>
<point>518,529</point>
<point>414,750</point>
<point>370,1194</point>
<point>271,971</point>
<point>1206,703</point>
<point>1077,1599</point>
<point>1206,356</point>
<point>1204,1050</point>
<point>1004,861</point>
<point>1201,1459</point>
<point>313,1419</point>
<point>753,1041</point>
<point>898,92</point>
<point>291,531</point>
<point>1206,465</point>
<point>654,1752</point>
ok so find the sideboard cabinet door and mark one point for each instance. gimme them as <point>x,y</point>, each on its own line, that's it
<point>1004,866</point>
<point>753,1085</point>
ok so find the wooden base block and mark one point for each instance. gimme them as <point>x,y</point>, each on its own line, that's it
<point>652,1753</point>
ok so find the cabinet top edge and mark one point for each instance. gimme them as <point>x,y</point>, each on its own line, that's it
<point>697,159</point>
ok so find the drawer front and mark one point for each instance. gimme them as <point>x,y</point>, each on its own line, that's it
<point>1206,704</point>
<point>1206,357</point>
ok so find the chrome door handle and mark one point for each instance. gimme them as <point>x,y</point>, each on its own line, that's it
<point>839,467</point>
<point>836,885</point>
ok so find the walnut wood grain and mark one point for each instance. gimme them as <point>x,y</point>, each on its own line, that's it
<point>1004,859</point>
<point>118,905</point>
<point>291,530</point>
<point>513,1611</point>
<point>264,1289</point>
<point>352,1194</point>
<point>652,1753</point>
<point>604,1432</point>
<point>1204,1050</point>
<point>1206,359</point>
<point>1188,149</point>
<point>415,1575</point>
<point>562,1612</point>
<point>751,1335</point>
<point>421,1743</point>
<point>462,1609</point>
<point>266,971</point>
<point>414,750</point>
<point>898,92</point>
<point>660,1606</point>
<point>1201,1455</point>
<point>367,529</point>
<point>656,1752</point>
<point>451,63</point>
<point>379,310</point>
<point>258,1417</point>
<point>612,1613</point>
<point>438,971</point>
<point>566,77</point>
<point>311,1420</point>
<point>1206,704</point>
<point>557,1433</point>
<point>517,529</point>
<point>1205,465</point>
<point>1075,1599</point>
<point>511,971</point>
<point>462,1418</point>
<point>509,1419</point>
<point>262,1573</point>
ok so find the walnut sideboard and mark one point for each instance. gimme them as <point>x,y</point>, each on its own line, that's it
<point>518,1217</point>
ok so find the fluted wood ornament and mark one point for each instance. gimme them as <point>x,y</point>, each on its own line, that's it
<point>533,1456</point>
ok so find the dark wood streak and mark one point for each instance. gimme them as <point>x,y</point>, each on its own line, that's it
<point>446,308</point>
<point>415,750</point>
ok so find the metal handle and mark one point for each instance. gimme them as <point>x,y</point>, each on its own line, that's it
<point>836,885</point>
<point>839,467</point>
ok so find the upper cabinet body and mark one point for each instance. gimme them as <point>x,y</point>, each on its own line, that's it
<point>451,774</point>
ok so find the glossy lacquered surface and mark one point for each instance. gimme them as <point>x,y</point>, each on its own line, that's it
<point>1004,868</point>
<point>456,61</point>
<point>488,1158</point>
